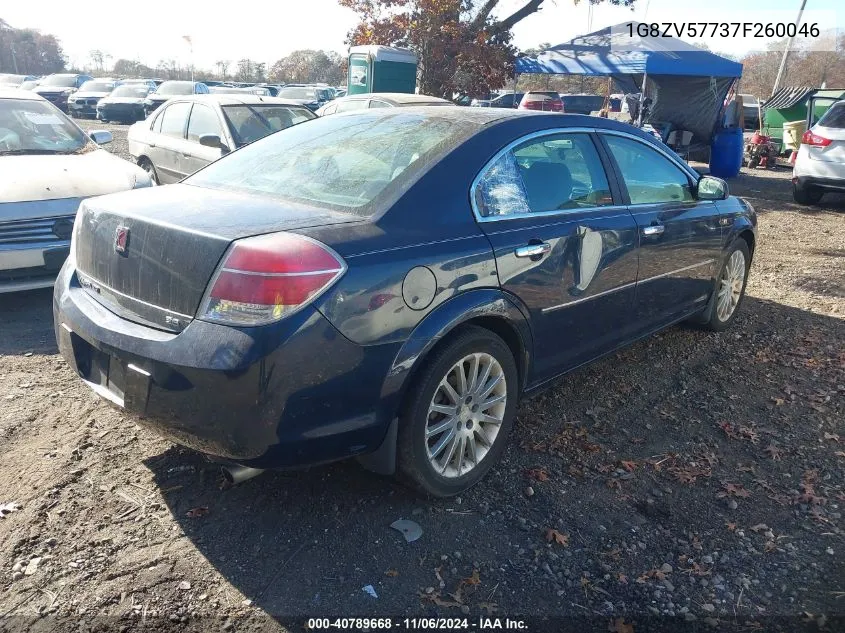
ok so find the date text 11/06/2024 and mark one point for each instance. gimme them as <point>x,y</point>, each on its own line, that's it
<point>417,624</point>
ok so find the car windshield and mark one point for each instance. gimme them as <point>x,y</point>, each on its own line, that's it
<point>63,81</point>
<point>97,86</point>
<point>176,88</point>
<point>835,117</point>
<point>298,92</point>
<point>350,163</point>
<point>136,90</point>
<point>249,123</point>
<point>35,127</point>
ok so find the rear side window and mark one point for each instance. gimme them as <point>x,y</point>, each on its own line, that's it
<point>375,103</point>
<point>552,173</point>
<point>173,119</point>
<point>650,177</point>
<point>835,117</point>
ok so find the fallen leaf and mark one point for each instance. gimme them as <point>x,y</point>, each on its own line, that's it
<point>489,607</point>
<point>537,474</point>
<point>773,451</point>
<point>732,490</point>
<point>628,465</point>
<point>475,579</point>
<point>778,401</point>
<point>439,601</point>
<point>196,513</point>
<point>392,573</point>
<point>833,437</point>
<point>759,527</point>
<point>619,626</point>
<point>622,578</point>
<point>553,535</point>
<point>731,527</point>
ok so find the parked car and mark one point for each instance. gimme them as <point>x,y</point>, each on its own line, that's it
<point>820,165</point>
<point>125,104</point>
<point>57,88</point>
<point>149,83</point>
<point>190,132</point>
<point>170,89</point>
<point>507,100</point>
<point>387,284</point>
<point>29,85</point>
<point>379,100</point>
<point>583,104</point>
<point>47,166</point>
<point>83,102</point>
<point>339,92</point>
<point>310,96</point>
<point>14,81</point>
<point>544,101</point>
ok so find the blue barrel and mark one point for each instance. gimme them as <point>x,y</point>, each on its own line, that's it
<point>726,152</point>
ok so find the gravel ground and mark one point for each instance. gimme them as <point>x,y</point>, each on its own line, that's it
<point>692,481</point>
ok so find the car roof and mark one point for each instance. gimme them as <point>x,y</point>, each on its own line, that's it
<point>396,98</point>
<point>17,93</point>
<point>228,98</point>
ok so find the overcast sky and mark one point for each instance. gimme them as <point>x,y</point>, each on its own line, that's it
<point>265,30</point>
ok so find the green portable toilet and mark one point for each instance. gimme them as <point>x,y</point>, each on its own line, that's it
<point>381,69</point>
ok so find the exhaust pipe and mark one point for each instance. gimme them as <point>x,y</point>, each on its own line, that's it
<point>235,474</point>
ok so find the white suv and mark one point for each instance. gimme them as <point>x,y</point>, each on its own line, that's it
<point>820,165</point>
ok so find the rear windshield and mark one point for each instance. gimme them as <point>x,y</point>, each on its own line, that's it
<point>296,92</point>
<point>835,117</point>
<point>249,123</point>
<point>97,86</point>
<point>132,90</point>
<point>176,88</point>
<point>539,96</point>
<point>354,163</point>
<point>62,81</point>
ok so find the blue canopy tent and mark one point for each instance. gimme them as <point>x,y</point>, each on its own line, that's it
<point>687,85</point>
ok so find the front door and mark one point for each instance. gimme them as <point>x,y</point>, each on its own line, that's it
<point>680,236</point>
<point>562,245</point>
<point>203,120</point>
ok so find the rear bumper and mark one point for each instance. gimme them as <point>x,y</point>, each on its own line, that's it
<point>290,394</point>
<point>828,184</point>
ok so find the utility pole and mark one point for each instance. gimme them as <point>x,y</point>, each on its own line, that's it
<point>788,46</point>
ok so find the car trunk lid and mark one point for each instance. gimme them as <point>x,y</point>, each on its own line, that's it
<point>149,255</point>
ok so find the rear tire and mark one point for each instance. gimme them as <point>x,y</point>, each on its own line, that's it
<point>147,166</point>
<point>452,431</point>
<point>806,195</point>
<point>729,290</point>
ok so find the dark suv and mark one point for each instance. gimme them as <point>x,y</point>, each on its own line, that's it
<point>57,88</point>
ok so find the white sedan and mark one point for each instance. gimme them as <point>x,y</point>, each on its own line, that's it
<point>47,166</point>
<point>820,166</point>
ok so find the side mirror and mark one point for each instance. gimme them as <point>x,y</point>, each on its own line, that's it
<point>100,137</point>
<point>712,188</point>
<point>212,140</point>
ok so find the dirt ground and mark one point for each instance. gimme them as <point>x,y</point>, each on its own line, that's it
<point>692,481</point>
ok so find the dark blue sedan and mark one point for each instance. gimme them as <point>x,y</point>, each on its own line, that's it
<point>389,284</point>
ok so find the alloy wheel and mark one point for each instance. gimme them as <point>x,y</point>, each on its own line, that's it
<point>730,286</point>
<point>465,415</point>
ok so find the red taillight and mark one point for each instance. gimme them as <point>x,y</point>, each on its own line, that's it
<point>263,279</point>
<point>532,105</point>
<point>556,106</point>
<point>814,139</point>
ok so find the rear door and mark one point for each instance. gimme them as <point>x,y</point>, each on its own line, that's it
<point>564,244</point>
<point>170,143</point>
<point>202,120</point>
<point>680,237</point>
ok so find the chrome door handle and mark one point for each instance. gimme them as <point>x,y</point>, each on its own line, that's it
<point>533,250</point>
<point>655,229</point>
